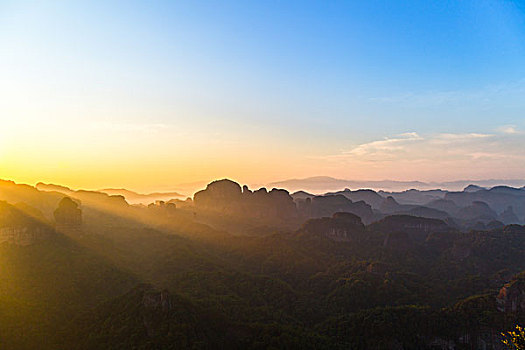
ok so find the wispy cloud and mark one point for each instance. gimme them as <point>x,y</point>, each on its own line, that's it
<point>413,146</point>
<point>386,146</point>
<point>509,129</point>
<point>443,155</point>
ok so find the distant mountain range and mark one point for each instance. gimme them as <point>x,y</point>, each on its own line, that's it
<point>322,184</point>
<point>130,196</point>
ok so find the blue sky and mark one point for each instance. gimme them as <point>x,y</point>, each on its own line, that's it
<point>297,80</point>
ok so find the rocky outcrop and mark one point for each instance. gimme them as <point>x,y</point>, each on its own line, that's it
<point>220,195</point>
<point>511,297</point>
<point>227,197</point>
<point>68,217</point>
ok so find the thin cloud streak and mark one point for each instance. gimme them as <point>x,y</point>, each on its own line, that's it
<point>444,155</point>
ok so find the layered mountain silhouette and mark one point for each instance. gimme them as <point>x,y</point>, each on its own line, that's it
<point>130,196</point>
<point>242,268</point>
<point>321,184</point>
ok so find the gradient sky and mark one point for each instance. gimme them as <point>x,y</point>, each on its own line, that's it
<point>150,94</point>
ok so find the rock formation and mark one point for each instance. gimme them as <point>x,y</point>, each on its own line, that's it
<point>227,197</point>
<point>511,297</point>
<point>68,217</point>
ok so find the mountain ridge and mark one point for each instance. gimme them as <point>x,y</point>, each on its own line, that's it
<point>320,184</point>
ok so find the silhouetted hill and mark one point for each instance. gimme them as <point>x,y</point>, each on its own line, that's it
<point>473,188</point>
<point>225,205</point>
<point>368,196</point>
<point>414,197</point>
<point>390,206</point>
<point>497,198</point>
<point>445,205</point>
<point>327,205</point>
<point>301,195</point>
<point>477,211</point>
<point>45,202</point>
<point>426,212</point>
<point>89,198</point>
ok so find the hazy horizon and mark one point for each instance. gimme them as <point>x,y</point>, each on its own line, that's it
<point>314,185</point>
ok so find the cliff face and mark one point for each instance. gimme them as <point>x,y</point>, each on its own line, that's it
<point>22,226</point>
<point>339,227</point>
<point>417,228</point>
<point>23,235</point>
<point>511,297</point>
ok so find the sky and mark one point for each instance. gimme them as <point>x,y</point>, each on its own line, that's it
<point>149,95</point>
